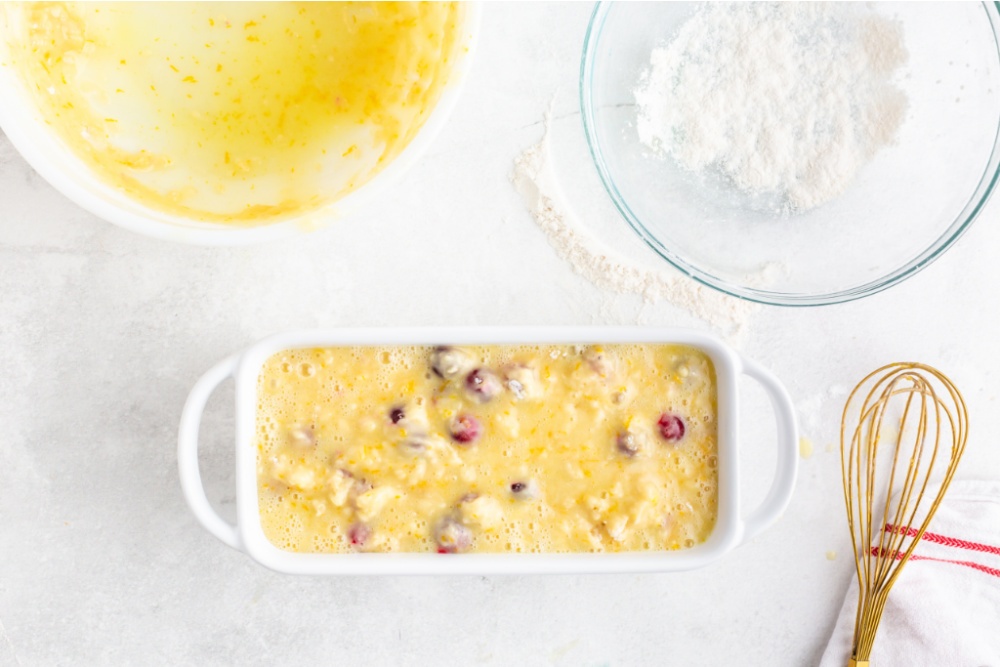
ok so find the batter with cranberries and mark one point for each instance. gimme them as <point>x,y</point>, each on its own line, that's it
<point>516,448</point>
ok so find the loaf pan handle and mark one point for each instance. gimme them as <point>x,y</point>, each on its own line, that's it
<point>187,452</point>
<point>787,459</point>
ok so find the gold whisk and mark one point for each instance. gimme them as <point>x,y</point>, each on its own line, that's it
<point>914,410</point>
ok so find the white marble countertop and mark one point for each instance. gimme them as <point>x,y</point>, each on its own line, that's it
<point>102,333</point>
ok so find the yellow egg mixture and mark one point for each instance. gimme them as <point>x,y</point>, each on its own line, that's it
<point>235,112</point>
<point>541,448</point>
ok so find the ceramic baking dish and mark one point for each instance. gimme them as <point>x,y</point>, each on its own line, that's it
<point>733,526</point>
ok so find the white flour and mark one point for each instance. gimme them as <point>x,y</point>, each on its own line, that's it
<point>785,101</point>
<point>535,181</point>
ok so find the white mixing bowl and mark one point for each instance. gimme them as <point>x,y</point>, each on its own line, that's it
<point>22,122</point>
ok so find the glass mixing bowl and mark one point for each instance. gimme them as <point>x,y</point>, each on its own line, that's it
<point>908,205</point>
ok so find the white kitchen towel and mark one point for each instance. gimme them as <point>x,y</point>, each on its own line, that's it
<point>944,609</point>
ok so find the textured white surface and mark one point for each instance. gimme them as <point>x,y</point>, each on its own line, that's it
<point>102,333</point>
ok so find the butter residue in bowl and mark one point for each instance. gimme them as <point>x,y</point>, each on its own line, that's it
<point>239,113</point>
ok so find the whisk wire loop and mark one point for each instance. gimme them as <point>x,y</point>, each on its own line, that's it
<point>927,411</point>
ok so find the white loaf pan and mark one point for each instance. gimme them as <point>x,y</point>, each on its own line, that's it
<point>733,526</point>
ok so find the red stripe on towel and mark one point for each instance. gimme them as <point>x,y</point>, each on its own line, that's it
<point>975,566</point>
<point>946,541</point>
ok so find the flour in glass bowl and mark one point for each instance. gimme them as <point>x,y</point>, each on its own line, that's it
<point>786,102</point>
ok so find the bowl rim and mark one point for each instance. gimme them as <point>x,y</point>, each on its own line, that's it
<point>968,214</point>
<point>735,523</point>
<point>22,123</point>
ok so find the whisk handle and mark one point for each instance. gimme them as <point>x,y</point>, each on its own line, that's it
<point>787,466</point>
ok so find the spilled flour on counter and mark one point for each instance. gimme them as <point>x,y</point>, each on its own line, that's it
<point>785,102</point>
<point>534,179</point>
